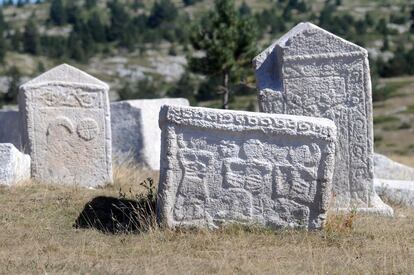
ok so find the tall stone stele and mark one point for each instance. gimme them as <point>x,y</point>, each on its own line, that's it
<point>66,127</point>
<point>312,72</point>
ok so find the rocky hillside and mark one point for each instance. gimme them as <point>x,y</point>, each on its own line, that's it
<point>142,48</point>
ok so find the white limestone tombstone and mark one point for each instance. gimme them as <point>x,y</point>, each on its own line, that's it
<point>135,132</point>
<point>386,168</point>
<point>220,166</point>
<point>66,127</point>
<point>393,180</point>
<point>14,166</point>
<point>312,72</point>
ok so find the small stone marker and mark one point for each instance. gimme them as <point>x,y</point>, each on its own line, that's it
<point>312,72</point>
<point>135,131</point>
<point>222,166</point>
<point>14,166</point>
<point>66,127</point>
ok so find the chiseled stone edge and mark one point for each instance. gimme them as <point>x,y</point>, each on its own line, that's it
<point>322,128</point>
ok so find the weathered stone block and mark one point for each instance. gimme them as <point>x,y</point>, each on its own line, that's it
<point>14,166</point>
<point>222,166</point>
<point>393,180</point>
<point>135,132</point>
<point>10,131</point>
<point>312,72</point>
<point>397,191</point>
<point>385,168</point>
<point>66,127</point>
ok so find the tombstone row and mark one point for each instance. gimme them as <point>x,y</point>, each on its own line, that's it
<point>310,149</point>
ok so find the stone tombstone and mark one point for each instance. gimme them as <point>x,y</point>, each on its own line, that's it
<point>135,132</point>
<point>222,166</point>
<point>66,127</point>
<point>14,166</point>
<point>312,72</point>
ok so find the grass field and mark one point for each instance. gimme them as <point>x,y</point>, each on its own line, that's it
<point>37,236</point>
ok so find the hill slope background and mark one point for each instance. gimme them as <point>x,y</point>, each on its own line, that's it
<point>143,49</point>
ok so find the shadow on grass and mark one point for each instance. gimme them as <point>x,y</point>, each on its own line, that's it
<point>117,215</point>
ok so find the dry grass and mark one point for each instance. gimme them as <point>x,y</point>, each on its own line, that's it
<point>37,237</point>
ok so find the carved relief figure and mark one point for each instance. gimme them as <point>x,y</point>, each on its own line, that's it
<point>52,97</point>
<point>192,191</point>
<point>237,201</point>
<point>262,168</point>
<point>60,139</point>
<point>298,180</point>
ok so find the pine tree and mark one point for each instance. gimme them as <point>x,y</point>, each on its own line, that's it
<point>162,11</point>
<point>73,13</point>
<point>89,4</point>
<point>137,4</point>
<point>97,27</point>
<point>57,12</point>
<point>119,21</point>
<point>84,34</point>
<point>11,95</point>
<point>3,27</point>
<point>2,46</point>
<point>16,40</point>
<point>75,48</point>
<point>31,38</point>
<point>227,38</point>
<point>20,3</point>
<point>185,87</point>
<point>245,9</point>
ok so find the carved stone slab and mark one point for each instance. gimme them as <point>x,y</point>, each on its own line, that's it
<point>312,72</point>
<point>228,166</point>
<point>66,127</point>
<point>14,166</point>
<point>135,132</point>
